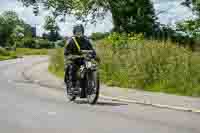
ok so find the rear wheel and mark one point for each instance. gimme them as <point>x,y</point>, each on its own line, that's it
<point>93,87</point>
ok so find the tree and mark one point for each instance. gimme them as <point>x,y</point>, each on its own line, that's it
<point>194,5</point>
<point>12,29</point>
<point>191,28</point>
<point>9,20</point>
<point>127,15</point>
<point>52,27</point>
<point>50,24</point>
<point>134,16</point>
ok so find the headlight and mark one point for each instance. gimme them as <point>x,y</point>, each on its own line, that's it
<point>88,64</point>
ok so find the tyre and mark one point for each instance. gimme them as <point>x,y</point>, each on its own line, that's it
<point>93,86</point>
<point>68,92</point>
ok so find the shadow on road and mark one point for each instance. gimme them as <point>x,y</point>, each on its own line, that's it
<point>100,103</point>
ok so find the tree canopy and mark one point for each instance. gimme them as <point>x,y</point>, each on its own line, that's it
<point>52,28</point>
<point>127,15</point>
<point>11,28</point>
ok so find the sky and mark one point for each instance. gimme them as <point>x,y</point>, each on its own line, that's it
<point>174,13</point>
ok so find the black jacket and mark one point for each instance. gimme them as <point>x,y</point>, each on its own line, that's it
<point>72,49</point>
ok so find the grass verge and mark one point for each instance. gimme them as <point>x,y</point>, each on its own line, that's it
<point>6,55</point>
<point>143,64</point>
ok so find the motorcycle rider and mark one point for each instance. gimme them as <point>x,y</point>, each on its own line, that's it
<point>73,56</point>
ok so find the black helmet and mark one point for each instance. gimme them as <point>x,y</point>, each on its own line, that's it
<point>78,28</point>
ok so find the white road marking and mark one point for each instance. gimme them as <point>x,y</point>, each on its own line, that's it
<point>52,113</point>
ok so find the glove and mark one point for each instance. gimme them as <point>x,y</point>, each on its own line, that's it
<point>74,57</point>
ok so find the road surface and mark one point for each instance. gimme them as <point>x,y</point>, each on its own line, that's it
<point>29,108</point>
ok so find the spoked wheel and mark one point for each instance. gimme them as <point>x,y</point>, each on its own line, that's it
<point>68,92</point>
<point>93,87</point>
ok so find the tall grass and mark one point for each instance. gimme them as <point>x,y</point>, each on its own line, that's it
<point>56,64</point>
<point>133,62</point>
<point>150,65</point>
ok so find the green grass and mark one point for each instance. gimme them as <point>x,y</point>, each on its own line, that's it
<point>57,62</point>
<point>146,65</point>
<point>28,51</point>
<point>59,74</point>
<point>6,55</point>
<point>151,66</point>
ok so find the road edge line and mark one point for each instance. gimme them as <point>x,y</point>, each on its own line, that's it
<point>147,103</point>
<point>178,108</point>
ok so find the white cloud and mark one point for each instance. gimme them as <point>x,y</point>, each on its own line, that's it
<point>174,11</point>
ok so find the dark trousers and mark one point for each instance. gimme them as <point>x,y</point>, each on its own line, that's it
<point>71,71</point>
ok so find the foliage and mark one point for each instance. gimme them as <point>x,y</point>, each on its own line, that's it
<point>4,52</point>
<point>52,27</point>
<point>98,35</point>
<point>35,43</point>
<point>190,28</point>
<point>194,5</point>
<point>28,51</point>
<point>151,65</point>
<point>42,43</point>
<point>57,62</point>
<point>50,24</point>
<point>12,29</point>
<point>128,15</point>
<point>28,42</point>
<point>6,55</point>
<point>60,43</point>
<point>144,64</point>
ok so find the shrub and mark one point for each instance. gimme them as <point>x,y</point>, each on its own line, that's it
<point>28,42</point>
<point>98,36</point>
<point>4,52</point>
<point>43,43</point>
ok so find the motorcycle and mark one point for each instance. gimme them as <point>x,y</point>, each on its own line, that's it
<point>87,84</point>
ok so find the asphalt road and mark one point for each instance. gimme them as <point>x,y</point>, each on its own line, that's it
<point>29,108</point>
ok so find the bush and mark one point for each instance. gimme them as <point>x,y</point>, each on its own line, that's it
<point>28,42</point>
<point>41,43</point>
<point>98,36</point>
<point>4,52</point>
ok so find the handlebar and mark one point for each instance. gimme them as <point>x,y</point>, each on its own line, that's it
<point>86,51</point>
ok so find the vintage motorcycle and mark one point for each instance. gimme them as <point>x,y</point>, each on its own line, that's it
<point>87,84</point>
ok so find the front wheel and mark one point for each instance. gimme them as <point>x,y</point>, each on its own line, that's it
<point>93,87</point>
<point>68,92</point>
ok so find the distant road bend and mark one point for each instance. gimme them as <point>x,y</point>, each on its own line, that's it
<point>29,108</point>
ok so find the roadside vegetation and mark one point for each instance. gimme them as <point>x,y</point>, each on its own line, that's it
<point>130,61</point>
<point>5,55</point>
<point>17,38</point>
<point>156,57</point>
<point>56,63</point>
<point>19,52</point>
